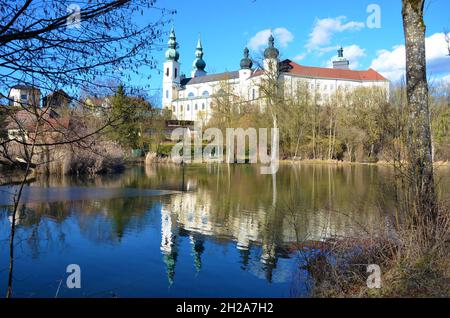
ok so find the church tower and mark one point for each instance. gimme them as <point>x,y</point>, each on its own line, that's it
<point>171,78</point>
<point>199,64</point>
<point>246,66</point>
<point>271,55</point>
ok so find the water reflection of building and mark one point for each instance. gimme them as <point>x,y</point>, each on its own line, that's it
<point>265,233</point>
<point>169,242</point>
<point>191,214</point>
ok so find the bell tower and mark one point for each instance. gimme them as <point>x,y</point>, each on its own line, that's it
<point>271,57</point>
<point>199,65</point>
<point>171,77</point>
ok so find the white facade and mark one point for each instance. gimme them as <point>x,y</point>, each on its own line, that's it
<point>23,96</point>
<point>192,99</point>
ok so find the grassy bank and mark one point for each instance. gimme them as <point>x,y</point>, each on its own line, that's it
<point>413,258</point>
<point>343,162</point>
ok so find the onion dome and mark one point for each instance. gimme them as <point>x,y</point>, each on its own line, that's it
<point>271,52</point>
<point>199,63</point>
<point>246,62</point>
<point>172,53</point>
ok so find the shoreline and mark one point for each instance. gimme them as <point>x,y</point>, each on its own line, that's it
<point>348,163</point>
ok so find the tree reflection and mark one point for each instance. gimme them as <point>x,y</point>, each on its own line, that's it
<point>261,216</point>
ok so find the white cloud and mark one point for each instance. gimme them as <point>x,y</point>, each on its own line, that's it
<point>300,57</point>
<point>352,53</point>
<point>282,37</point>
<point>324,29</point>
<point>324,50</point>
<point>446,79</point>
<point>392,63</point>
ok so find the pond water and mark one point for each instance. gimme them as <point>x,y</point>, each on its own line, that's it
<point>231,233</point>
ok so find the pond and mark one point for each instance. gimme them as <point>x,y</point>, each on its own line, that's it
<point>231,233</point>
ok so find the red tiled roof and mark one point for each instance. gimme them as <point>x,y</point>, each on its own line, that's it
<point>320,72</point>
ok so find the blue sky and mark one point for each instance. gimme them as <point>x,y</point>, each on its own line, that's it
<point>307,32</point>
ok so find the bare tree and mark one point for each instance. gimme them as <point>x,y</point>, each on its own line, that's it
<point>54,44</point>
<point>447,39</point>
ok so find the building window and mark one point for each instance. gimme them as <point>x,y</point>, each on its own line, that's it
<point>205,94</point>
<point>326,87</point>
<point>196,107</point>
<point>181,108</point>
<point>176,72</point>
<point>253,94</point>
<point>203,106</point>
<point>174,109</point>
<point>191,95</point>
<point>167,94</point>
<point>187,108</point>
<point>23,96</point>
<point>167,72</point>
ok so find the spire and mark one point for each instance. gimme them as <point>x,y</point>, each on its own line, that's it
<point>199,51</point>
<point>246,62</point>
<point>271,40</point>
<point>199,64</point>
<point>172,53</point>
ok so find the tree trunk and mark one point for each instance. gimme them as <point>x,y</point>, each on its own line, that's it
<point>334,140</point>
<point>419,131</point>
<point>330,137</point>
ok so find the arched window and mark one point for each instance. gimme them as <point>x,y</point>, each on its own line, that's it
<point>167,72</point>
<point>187,108</point>
<point>205,94</point>
<point>176,72</point>
<point>191,95</point>
<point>196,107</point>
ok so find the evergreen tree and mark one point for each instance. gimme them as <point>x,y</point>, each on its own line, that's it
<point>130,112</point>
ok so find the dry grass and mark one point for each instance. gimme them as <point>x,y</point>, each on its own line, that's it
<point>414,261</point>
<point>100,157</point>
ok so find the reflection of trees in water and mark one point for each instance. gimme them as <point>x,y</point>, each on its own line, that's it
<point>313,203</point>
<point>322,197</point>
<point>228,203</point>
<point>36,229</point>
<point>42,225</point>
<point>107,221</point>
